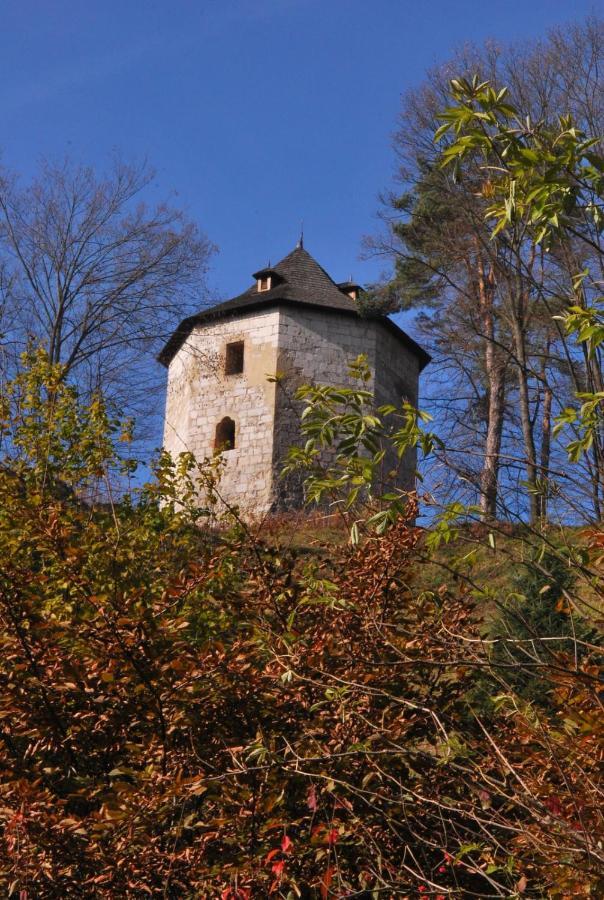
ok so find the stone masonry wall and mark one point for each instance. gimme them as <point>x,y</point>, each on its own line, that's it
<point>315,346</point>
<point>200,395</point>
<point>396,380</point>
<point>304,345</point>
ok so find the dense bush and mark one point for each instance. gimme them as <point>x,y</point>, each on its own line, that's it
<point>187,712</point>
<point>535,622</point>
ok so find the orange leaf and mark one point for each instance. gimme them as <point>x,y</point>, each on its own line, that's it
<point>326,881</point>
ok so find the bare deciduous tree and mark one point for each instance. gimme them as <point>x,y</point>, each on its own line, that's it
<point>96,274</point>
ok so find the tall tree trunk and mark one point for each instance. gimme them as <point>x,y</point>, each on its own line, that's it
<point>596,479</point>
<point>546,432</point>
<point>596,385</point>
<point>519,335</point>
<point>492,448</point>
<point>546,444</point>
<point>495,375</point>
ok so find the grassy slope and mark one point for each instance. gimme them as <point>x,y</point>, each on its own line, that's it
<point>488,561</point>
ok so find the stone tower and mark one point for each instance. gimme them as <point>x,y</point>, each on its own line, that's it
<point>294,320</point>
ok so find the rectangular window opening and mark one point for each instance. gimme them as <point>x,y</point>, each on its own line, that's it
<point>234,358</point>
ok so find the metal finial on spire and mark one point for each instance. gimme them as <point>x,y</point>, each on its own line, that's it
<point>300,244</point>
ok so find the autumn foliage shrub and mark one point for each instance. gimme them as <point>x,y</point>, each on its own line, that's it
<point>187,712</point>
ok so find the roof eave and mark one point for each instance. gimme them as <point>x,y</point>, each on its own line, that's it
<point>185,328</point>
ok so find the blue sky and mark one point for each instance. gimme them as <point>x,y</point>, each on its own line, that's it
<point>254,113</point>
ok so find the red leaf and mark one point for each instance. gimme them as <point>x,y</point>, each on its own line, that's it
<point>286,844</point>
<point>554,805</point>
<point>332,836</point>
<point>278,867</point>
<point>312,798</point>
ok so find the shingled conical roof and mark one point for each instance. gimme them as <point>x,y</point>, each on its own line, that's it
<point>301,280</point>
<point>298,279</point>
<point>308,282</point>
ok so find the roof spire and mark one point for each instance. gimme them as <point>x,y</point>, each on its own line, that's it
<point>300,244</point>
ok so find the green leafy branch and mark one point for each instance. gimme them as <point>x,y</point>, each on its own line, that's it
<point>353,450</point>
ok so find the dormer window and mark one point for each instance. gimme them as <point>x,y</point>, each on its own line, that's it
<point>233,358</point>
<point>267,279</point>
<point>351,289</point>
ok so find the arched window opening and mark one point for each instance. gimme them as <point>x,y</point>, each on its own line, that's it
<point>225,435</point>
